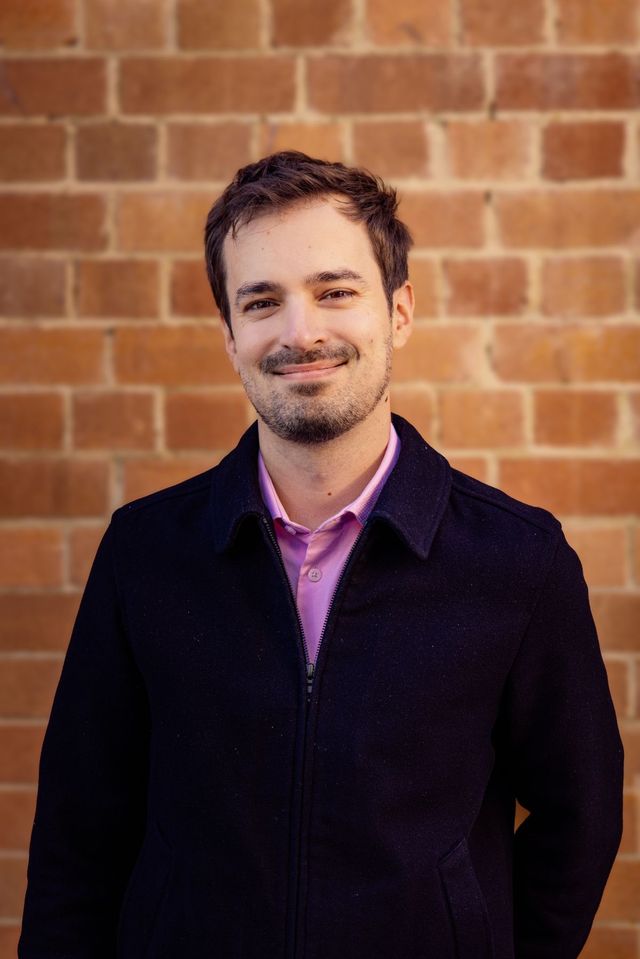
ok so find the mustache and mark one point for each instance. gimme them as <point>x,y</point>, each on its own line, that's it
<point>286,357</point>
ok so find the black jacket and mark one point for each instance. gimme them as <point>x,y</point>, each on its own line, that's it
<point>196,802</point>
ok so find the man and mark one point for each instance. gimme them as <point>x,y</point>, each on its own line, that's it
<point>305,688</point>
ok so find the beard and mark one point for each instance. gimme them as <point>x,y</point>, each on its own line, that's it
<point>303,415</point>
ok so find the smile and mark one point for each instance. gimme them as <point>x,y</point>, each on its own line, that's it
<point>308,371</point>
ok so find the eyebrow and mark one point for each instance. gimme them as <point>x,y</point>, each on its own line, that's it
<point>261,287</point>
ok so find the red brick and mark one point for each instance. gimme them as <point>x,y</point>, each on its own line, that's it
<point>561,219</point>
<point>636,556</point>
<point>502,23</point>
<point>610,943</point>
<point>186,355</point>
<point>17,808</point>
<point>603,552</point>
<point>205,420</point>
<point>20,748</point>
<point>634,403</point>
<point>621,900</point>
<point>30,286</point>
<point>31,421</point>
<point>476,466</point>
<point>13,880</point>
<point>414,23</point>
<point>207,85</point>
<point>116,151</point>
<point>441,219</point>
<point>424,279</point>
<point>190,291</point>
<point>575,418</point>
<point>53,488</point>
<point>36,621</point>
<point>618,675</point>
<point>117,287</point>
<point>583,151</point>
<point>415,403</point>
<point>589,286</point>
<point>575,487</point>
<point>30,557</point>
<point>630,732</point>
<point>53,87</point>
<point>199,151</point>
<point>219,26</point>
<point>481,418</point>
<point>595,22</point>
<point>83,544</point>
<point>393,149</point>
<point>488,149</point>
<point>599,81</point>
<point>113,421</point>
<point>296,23</point>
<point>46,221</point>
<point>319,139</point>
<point>37,24</point>
<point>112,25</point>
<point>32,152</point>
<point>496,287</point>
<point>440,354</point>
<point>143,476</point>
<point>606,353</point>
<point>385,84</point>
<point>631,818</point>
<point>9,935</point>
<point>27,687</point>
<point>617,616</point>
<point>162,221</point>
<point>51,356</point>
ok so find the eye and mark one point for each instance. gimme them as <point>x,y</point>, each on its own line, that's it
<point>337,295</point>
<point>259,305</point>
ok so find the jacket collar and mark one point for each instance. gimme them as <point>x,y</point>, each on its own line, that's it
<point>412,500</point>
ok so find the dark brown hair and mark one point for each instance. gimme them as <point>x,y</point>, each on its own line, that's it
<point>282,179</point>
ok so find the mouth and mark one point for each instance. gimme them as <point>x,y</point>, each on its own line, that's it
<point>309,371</point>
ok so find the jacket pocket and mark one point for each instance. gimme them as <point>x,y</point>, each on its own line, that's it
<point>144,897</point>
<point>466,903</point>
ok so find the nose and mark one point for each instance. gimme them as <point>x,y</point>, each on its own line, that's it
<point>301,326</point>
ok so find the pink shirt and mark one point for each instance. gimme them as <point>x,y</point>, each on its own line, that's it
<point>314,559</point>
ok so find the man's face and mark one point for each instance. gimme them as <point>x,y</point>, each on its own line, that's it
<point>312,336</point>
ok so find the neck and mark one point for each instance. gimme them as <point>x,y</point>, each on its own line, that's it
<point>315,482</point>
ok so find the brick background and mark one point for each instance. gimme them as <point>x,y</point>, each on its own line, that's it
<point>512,133</point>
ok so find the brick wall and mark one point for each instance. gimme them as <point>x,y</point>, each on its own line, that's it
<point>511,130</point>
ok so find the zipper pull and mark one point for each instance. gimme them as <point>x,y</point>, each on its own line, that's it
<point>310,671</point>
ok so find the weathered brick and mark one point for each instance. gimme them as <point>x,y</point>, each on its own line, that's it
<point>32,151</point>
<point>199,151</point>
<point>17,808</point>
<point>440,354</point>
<point>492,287</point>
<point>116,287</point>
<point>502,23</point>
<point>296,23</point>
<point>393,149</point>
<point>617,616</point>
<point>207,85</point>
<point>320,139</point>
<point>190,291</point>
<point>219,26</point>
<point>30,556</point>
<point>610,943</point>
<point>636,563</point>
<point>20,748</point>
<point>544,81</point>
<point>83,544</point>
<point>618,677</point>
<point>51,356</point>
<point>111,25</point>
<point>37,24</point>
<point>27,687</point>
<point>558,219</point>
<point>9,936</point>
<point>142,476</point>
<point>116,151</point>
<point>13,877</point>
<point>36,621</point>
<point>416,404</point>
<point>53,87</point>
<point>113,421</point>
<point>631,822</point>
<point>424,279</point>
<point>603,551</point>
<point>634,403</point>
<point>186,355</point>
<point>205,420</point>
<point>620,900</point>
<point>48,488</point>
<point>475,466</point>
<point>414,24</point>
<point>162,221</point>
<point>488,149</point>
<point>47,221</point>
<point>583,151</point>
<point>585,286</point>
<point>481,418</point>
<point>594,22</point>
<point>444,219</point>
<point>31,421</point>
<point>388,83</point>
<point>572,487</point>
<point>575,418</point>
<point>30,286</point>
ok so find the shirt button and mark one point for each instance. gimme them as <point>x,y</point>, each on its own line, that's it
<point>314,574</point>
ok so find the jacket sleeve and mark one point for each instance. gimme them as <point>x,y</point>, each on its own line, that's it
<point>565,755</point>
<point>92,784</point>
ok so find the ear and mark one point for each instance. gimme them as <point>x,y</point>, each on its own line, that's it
<point>229,342</point>
<point>402,315</point>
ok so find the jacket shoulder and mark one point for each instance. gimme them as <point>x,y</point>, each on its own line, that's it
<point>193,487</point>
<point>495,499</point>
